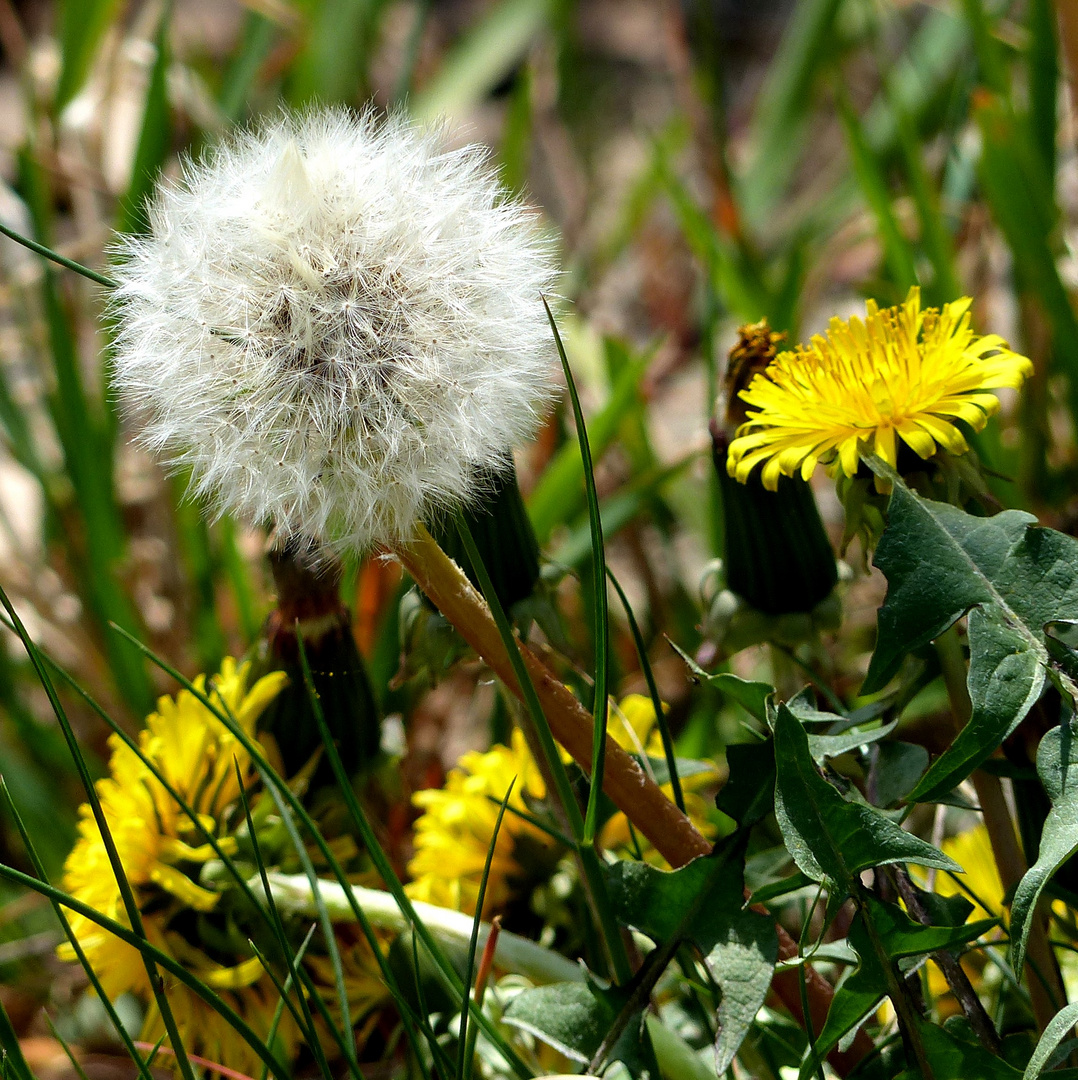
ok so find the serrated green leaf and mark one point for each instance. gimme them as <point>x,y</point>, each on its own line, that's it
<point>830,839</point>
<point>1010,575</point>
<point>751,696</point>
<point>1057,766</point>
<point>703,902</point>
<point>899,767</point>
<point>902,938</point>
<point>953,1058</point>
<point>1059,1027</point>
<point>571,1017</point>
<point>748,796</point>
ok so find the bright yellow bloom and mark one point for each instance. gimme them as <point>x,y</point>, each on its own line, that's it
<point>453,834</point>
<point>903,373</point>
<point>160,848</point>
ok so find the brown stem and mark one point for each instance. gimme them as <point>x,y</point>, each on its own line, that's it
<point>1067,11</point>
<point>642,800</point>
<point>1045,983</point>
<point>631,789</point>
<point>953,972</point>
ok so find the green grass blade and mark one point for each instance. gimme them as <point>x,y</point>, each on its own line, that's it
<point>873,183</point>
<point>784,102</point>
<point>80,1072</point>
<point>600,613</point>
<point>65,926</point>
<point>559,492</point>
<point>367,835</point>
<point>82,26</point>
<point>259,34</point>
<point>464,1065</point>
<point>935,237</point>
<point>154,137</point>
<point>481,59</point>
<point>153,956</point>
<point>589,859</point>
<point>14,1062</point>
<point>1043,63</point>
<point>126,893</point>
<point>653,692</point>
<point>329,937</point>
<point>56,257</point>
<point>305,1020</point>
<point>563,788</point>
<point>284,990</point>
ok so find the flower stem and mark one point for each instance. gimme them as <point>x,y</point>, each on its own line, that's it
<point>293,895</point>
<point>1045,985</point>
<point>632,790</point>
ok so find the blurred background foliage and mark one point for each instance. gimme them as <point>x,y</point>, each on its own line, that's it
<point>703,163</point>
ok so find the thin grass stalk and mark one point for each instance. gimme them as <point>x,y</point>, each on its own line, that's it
<point>593,879</point>
<point>600,711</point>
<point>274,918</point>
<point>378,856</point>
<point>124,886</point>
<point>65,926</point>
<point>184,806</point>
<point>327,931</point>
<point>153,955</point>
<point>653,693</point>
<point>473,941</point>
<point>384,868</point>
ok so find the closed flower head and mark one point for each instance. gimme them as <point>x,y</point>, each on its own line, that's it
<point>333,324</point>
<point>903,374</point>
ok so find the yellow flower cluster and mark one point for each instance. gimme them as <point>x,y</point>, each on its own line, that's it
<point>454,832</point>
<point>162,852</point>
<point>902,373</point>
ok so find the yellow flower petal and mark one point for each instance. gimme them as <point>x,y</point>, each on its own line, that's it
<point>901,369</point>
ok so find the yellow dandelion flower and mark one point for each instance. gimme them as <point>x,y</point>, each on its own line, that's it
<point>453,834</point>
<point>901,374</point>
<point>160,848</point>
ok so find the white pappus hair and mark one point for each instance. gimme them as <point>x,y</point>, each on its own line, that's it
<point>333,323</point>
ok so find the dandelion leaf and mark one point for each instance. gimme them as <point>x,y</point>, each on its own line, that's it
<point>955,1058</point>
<point>904,941</point>
<point>575,1018</point>
<point>1057,1030</point>
<point>1057,766</point>
<point>703,903</point>
<point>1011,577</point>
<point>571,1017</point>
<point>831,839</point>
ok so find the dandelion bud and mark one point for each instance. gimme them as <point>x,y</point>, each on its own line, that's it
<point>776,553</point>
<point>333,322</point>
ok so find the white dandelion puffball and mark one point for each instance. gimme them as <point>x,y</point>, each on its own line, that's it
<point>334,324</point>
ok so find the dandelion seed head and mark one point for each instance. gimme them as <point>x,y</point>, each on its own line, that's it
<point>333,322</point>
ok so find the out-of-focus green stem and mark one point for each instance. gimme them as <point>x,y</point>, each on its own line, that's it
<point>292,894</point>
<point>1045,985</point>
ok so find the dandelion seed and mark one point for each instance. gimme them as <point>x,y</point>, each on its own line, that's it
<point>333,323</point>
